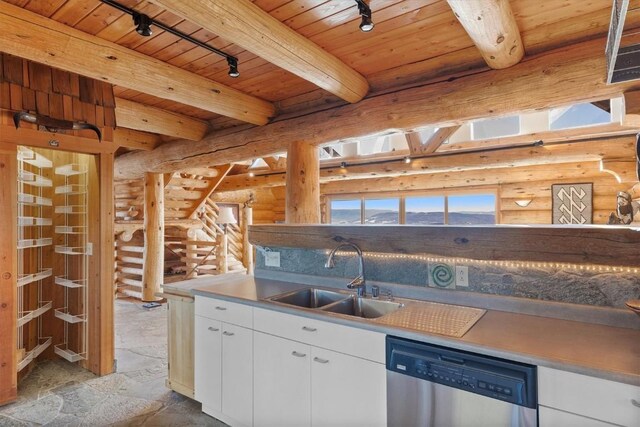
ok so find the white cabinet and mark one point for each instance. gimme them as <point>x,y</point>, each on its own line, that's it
<point>224,361</point>
<point>208,364</point>
<point>302,384</point>
<point>347,390</point>
<point>282,382</point>
<point>582,395</point>
<point>237,373</point>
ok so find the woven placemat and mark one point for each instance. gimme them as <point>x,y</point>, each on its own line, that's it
<point>443,319</point>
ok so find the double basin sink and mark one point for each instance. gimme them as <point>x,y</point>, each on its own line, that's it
<point>337,303</point>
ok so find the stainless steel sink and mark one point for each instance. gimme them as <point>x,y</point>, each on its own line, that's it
<point>363,307</point>
<point>309,298</point>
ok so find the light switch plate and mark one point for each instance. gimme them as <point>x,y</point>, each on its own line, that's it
<point>462,276</point>
<point>272,259</point>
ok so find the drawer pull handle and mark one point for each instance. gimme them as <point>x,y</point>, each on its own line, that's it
<point>297,354</point>
<point>635,403</point>
<point>221,308</point>
<point>211,328</point>
<point>308,329</point>
<point>227,333</point>
<point>319,360</point>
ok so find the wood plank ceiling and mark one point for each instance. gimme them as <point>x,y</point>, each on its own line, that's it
<point>413,40</point>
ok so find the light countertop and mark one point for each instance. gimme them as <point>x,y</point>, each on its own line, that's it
<point>597,350</point>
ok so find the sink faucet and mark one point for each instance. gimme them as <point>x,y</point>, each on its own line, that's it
<point>359,282</point>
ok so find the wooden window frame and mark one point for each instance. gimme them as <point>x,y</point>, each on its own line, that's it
<point>403,195</point>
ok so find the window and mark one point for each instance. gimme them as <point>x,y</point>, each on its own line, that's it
<point>494,128</point>
<point>467,209</point>
<point>382,211</point>
<point>578,115</point>
<point>346,211</point>
<point>472,209</point>
<point>424,210</point>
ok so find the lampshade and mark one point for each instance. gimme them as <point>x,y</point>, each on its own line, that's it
<point>225,216</point>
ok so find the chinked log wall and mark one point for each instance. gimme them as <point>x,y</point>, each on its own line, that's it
<point>511,184</point>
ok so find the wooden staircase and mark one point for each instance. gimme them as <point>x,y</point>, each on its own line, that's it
<point>192,238</point>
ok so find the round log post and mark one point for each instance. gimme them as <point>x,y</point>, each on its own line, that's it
<point>153,254</point>
<point>303,184</point>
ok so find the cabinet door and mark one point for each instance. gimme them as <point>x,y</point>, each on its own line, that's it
<point>347,390</point>
<point>282,382</point>
<point>208,364</point>
<point>237,374</point>
<point>549,417</point>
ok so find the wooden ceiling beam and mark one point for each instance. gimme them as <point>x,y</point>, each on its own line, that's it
<point>493,28</point>
<point>560,77</point>
<point>582,151</point>
<point>135,140</point>
<point>417,147</point>
<point>253,29</point>
<point>133,115</point>
<point>29,35</point>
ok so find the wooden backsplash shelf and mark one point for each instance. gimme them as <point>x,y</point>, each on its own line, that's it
<point>602,245</point>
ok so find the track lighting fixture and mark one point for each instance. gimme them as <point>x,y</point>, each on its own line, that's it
<point>343,165</point>
<point>365,11</point>
<point>143,25</point>
<point>233,67</point>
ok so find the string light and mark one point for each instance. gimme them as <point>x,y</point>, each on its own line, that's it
<point>510,264</point>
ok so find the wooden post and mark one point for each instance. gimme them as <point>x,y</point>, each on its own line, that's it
<point>247,248</point>
<point>8,273</point>
<point>303,184</point>
<point>223,254</point>
<point>153,255</point>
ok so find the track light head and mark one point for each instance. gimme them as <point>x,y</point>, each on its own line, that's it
<point>233,67</point>
<point>143,24</point>
<point>407,159</point>
<point>365,11</point>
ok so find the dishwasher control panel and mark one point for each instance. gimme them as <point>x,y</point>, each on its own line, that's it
<point>492,377</point>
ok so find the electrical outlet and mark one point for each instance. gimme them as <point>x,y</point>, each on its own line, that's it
<point>462,276</point>
<point>89,248</point>
<point>272,259</point>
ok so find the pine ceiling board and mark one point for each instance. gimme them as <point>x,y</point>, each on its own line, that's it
<point>530,14</point>
<point>565,32</point>
<point>44,7</point>
<point>345,25</point>
<point>98,19</point>
<point>73,11</point>
<point>157,42</point>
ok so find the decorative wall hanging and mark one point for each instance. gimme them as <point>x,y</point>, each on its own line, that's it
<point>572,203</point>
<point>441,276</point>
<point>626,210</point>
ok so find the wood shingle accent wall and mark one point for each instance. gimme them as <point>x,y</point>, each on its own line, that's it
<point>36,88</point>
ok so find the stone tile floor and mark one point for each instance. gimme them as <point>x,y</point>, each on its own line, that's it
<point>58,393</point>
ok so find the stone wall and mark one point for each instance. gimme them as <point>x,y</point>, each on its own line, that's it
<point>587,285</point>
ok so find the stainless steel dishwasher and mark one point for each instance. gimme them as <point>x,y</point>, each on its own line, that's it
<point>433,386</point>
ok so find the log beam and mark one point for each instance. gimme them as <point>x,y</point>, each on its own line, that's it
<point>133,115</point>
<point>493,28</point>
<point>135,140</point>
<point>560,77</point>
<point>255,30</point>
<point>580,151</point>
<point>303,184</point>
<point>153,255</point>
<point>417,147</point>
<point>32,36</point>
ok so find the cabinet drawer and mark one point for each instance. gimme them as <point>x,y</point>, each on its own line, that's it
<point>345,339</point>
<point>225,311</point>
<point>548,417</point>
<point>591,397</point>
